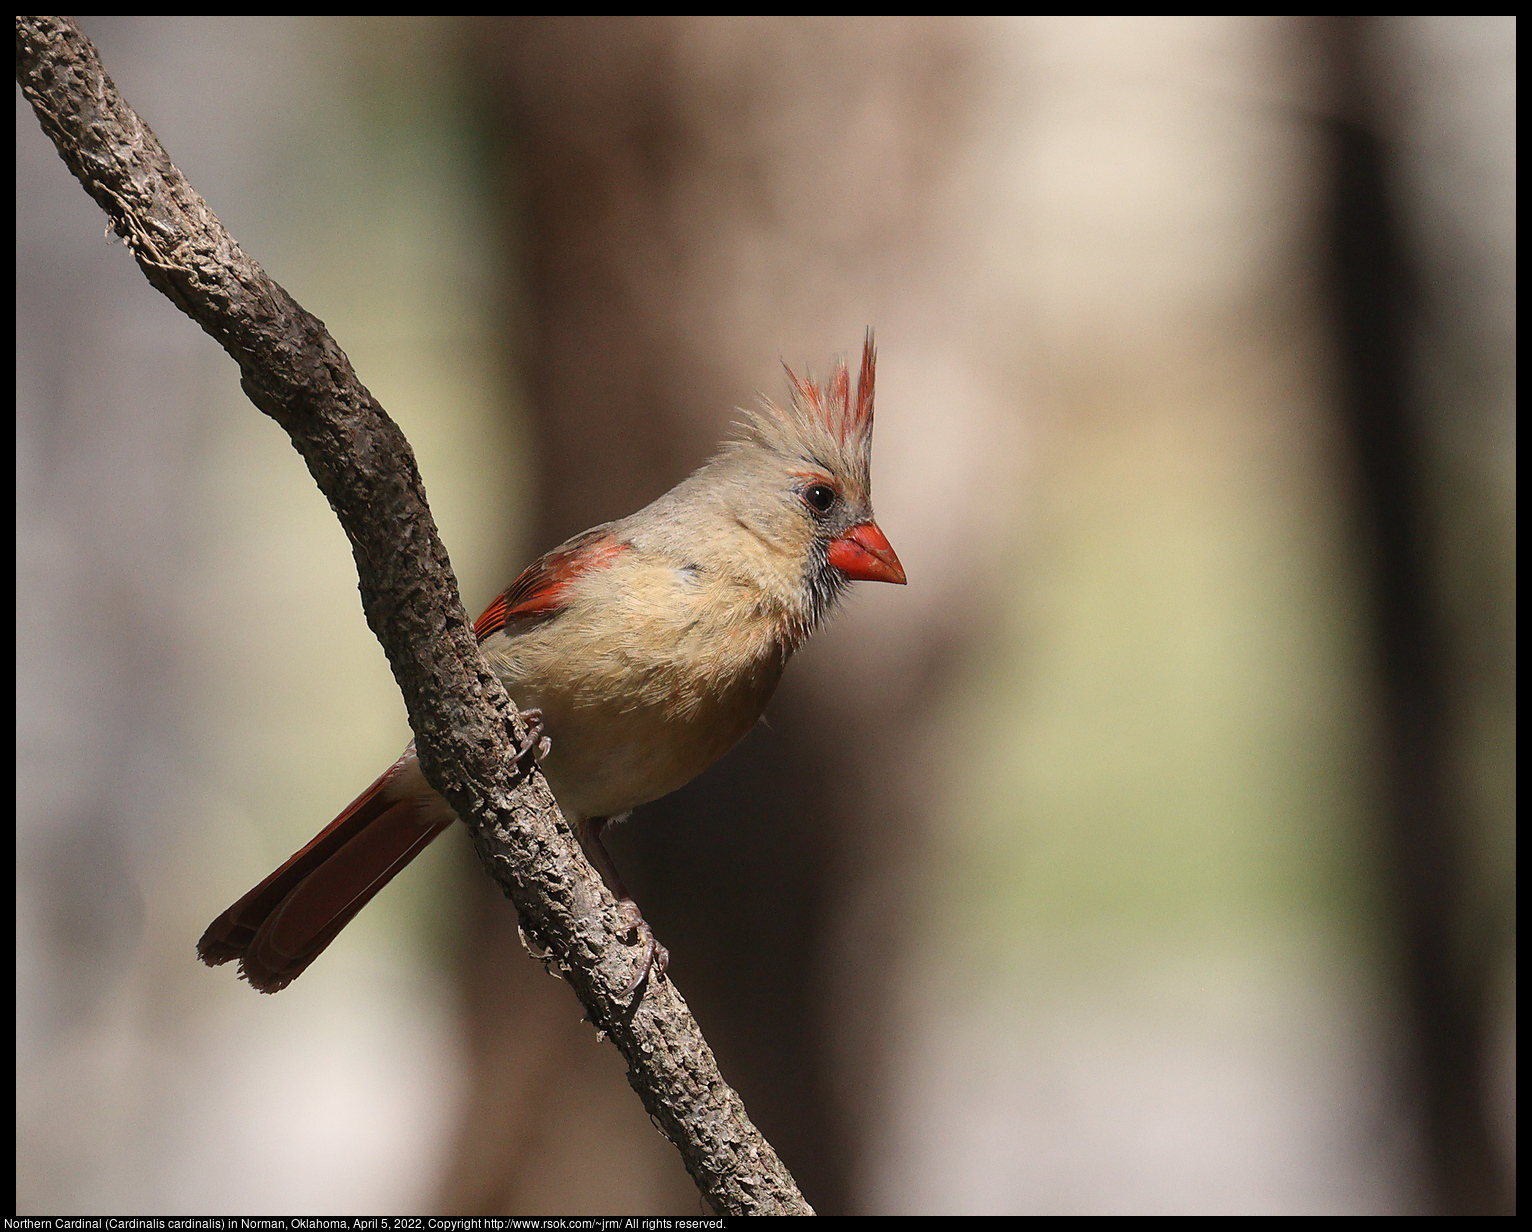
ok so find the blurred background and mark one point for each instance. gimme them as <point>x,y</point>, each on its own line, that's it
<point>1151,852</point>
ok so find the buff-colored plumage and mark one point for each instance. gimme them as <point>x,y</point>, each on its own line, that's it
<point>650,645</point>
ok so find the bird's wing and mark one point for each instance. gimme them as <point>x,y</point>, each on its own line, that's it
<point>541,587</point>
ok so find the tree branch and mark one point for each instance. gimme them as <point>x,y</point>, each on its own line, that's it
<point>466,727</point>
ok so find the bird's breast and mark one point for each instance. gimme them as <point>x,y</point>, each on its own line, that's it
<point>642,692</point>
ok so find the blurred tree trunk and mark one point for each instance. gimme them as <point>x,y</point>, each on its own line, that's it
<point>1426,351</point>
<point>694,199</point>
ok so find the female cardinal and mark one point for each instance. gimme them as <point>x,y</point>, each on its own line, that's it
<point>646,648</point>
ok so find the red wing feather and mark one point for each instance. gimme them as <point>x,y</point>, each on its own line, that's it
<point>540,588</point>
<point>492,620</point>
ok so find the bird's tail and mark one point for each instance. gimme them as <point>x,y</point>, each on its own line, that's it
<point>283,924</point>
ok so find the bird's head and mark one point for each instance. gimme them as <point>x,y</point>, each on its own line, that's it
<point>797,482</point>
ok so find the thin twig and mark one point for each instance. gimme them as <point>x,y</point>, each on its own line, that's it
<point>466,728</point>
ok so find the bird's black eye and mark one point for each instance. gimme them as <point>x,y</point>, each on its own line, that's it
<point>820,496</point>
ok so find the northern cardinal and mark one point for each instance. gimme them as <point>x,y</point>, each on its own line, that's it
<point>646,648</point>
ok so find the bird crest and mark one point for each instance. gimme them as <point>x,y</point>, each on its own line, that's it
<point>823,425</point>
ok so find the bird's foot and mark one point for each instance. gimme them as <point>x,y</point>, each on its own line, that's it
<point>536,745</point>
<point>656,956</point>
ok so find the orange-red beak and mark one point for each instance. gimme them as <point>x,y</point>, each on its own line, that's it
<point>863,554</point>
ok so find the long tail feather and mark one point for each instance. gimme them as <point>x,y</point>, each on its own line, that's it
<point>324,902</point>
<point>284,923</point>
